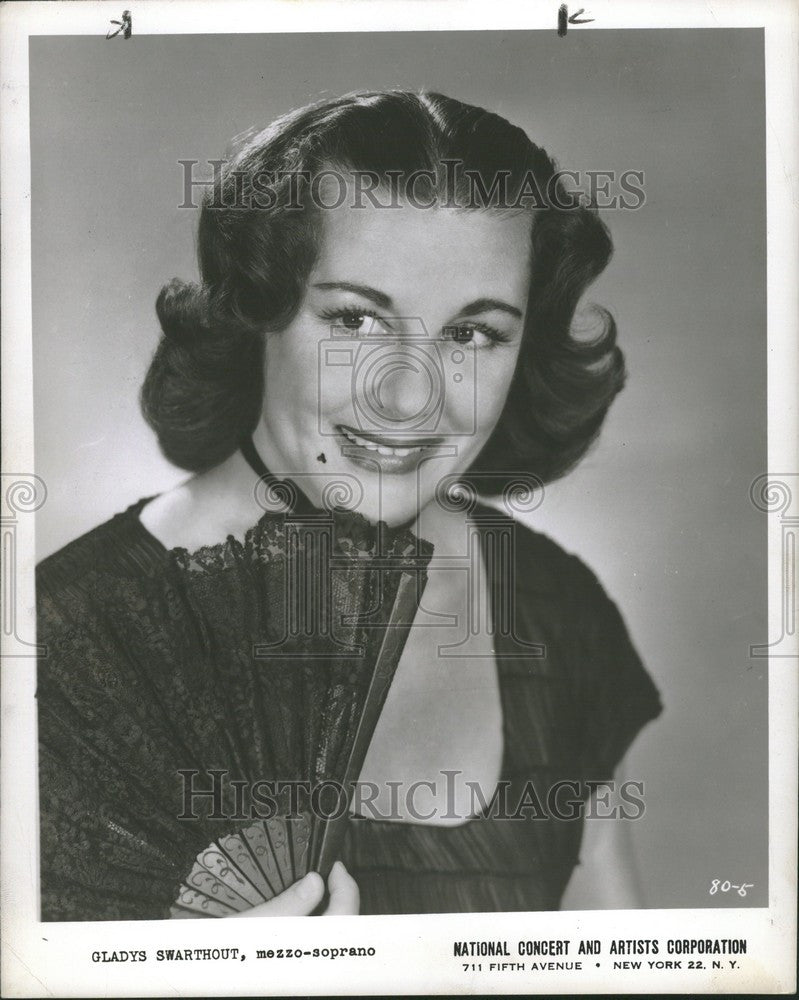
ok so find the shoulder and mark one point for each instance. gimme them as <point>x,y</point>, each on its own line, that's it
<point>118,546</point>
<point>555,591</point>
<point>205,509</point>
<point>553,581</point>
<point>90,596</point>
<point>543,564</point>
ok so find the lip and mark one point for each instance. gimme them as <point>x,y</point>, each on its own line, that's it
<point>389,442</point>
<point>391,455</point>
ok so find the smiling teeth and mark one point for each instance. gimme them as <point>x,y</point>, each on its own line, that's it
<point>381,449</point>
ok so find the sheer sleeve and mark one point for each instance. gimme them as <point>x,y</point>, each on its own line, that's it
<point>96,864</point>
<point>618,695</point>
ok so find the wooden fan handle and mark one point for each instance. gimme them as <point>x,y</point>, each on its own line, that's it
<point>333,831</point>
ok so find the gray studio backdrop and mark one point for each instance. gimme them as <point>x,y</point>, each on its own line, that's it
<point>659,509</point>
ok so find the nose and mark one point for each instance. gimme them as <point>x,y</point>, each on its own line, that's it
<point>404,385</point>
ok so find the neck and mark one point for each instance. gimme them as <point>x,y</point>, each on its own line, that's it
<point>443,528</point>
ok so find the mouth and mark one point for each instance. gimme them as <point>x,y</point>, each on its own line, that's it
<point>384,445</point>
<point>390,454</point>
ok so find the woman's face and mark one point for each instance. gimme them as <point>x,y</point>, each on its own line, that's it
<point>397,365</point>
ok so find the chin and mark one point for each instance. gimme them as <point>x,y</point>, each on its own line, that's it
<point>388,487</point>
<point>393,509</point>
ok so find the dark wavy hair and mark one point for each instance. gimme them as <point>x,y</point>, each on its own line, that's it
<point>204,390</point>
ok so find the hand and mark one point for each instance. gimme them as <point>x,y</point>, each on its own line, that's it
<point>302,898</point>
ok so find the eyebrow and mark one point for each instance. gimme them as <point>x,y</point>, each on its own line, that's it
<point>379,298</point>
<point>488,305</point>
<point>386,302</point>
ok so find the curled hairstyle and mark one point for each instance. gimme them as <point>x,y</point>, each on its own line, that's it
<point>204,390</point>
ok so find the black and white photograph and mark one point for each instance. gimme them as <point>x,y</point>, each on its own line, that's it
<point>401,520</point>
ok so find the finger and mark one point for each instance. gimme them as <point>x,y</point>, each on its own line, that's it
<point>344,894</point>
<point>299,900</point>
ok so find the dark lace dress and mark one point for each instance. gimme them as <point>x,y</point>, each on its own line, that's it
<point>149,671</point>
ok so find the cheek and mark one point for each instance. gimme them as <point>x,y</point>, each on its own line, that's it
<point>493,381</point>
<point>290,360</point>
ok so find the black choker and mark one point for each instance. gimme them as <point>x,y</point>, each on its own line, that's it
<point>301,504</point>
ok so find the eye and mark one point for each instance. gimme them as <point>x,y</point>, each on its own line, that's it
<point>478,335</point>
<point>359,322</point>
<point>353,320</point>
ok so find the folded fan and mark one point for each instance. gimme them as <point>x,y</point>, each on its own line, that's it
<point>339,595</point>
<point>244,869</point>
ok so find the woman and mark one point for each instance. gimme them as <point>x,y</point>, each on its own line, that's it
<point>389,282</point>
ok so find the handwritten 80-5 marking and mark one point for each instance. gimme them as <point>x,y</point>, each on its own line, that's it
<point>716,885</point>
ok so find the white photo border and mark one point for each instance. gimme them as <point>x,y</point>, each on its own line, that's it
<point>52,959</point>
